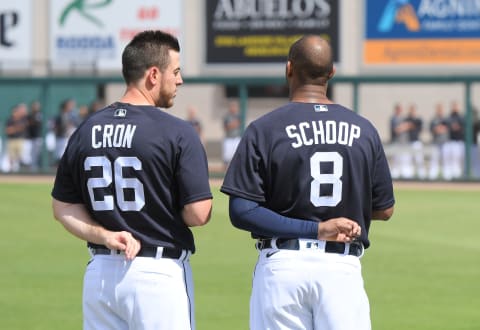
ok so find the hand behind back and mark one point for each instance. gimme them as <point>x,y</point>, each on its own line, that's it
<point>339,230</point>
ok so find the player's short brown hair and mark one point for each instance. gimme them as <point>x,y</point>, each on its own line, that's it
<point>147,49</point>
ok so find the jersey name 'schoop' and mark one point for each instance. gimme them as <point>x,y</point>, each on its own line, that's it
<point>113,136</point>
<point>320,132</point>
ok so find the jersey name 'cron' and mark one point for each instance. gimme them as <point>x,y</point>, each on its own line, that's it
<point>320,132</point>
<point>113,136</point>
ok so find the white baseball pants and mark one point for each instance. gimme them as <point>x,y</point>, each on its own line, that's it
<point>308,290</point>
<point>146,293</point>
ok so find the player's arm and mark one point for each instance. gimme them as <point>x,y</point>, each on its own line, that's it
<point>383,199</point>
<point>382,214</point>
<point>250,216</point>
<point>197,213</point>
<point>77,221</point>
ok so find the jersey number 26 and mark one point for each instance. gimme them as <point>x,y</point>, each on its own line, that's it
<point>121,183</point>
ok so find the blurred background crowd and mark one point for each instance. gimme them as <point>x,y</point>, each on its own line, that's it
<point>28,135</point>
<point>418,148</point>
<point>32,143</point>
<point>432,148</point>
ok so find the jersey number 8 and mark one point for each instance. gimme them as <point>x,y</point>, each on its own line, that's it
<point>320,178</point>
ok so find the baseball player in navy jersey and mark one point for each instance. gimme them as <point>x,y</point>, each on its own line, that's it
<point>454,149</point>
<point>306,181</point>
<point>132,181</point>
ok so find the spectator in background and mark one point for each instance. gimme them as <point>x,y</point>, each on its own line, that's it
<point>64,126</point>
<point>399,130</point>
<point>50,142</point>
<point>2,149</point>
<point>16,131</point>
<point>34,134</point>
<point>414,130</point>
<point>192,118</point>
<point>232,126</point>
<point>455,146</point>
<point>96,105</point>
<point>475,148</point>
<point>83,113</point>
<point>439,132</point>
<point>86,110</point>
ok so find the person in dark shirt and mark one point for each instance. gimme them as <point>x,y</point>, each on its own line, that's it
<point>16,133</point>
<point>306,181</point>
<point>131,182</point>
<point>192,119</point>
<point>439,133</point>
<point>233,132</point>
<point>416,145</point>
<point>475,147</point>
<point>399,140</point>
<point>454,156</point>
<point>35,124</point>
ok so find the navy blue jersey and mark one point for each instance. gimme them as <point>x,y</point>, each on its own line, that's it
<point>416,129</point>
<point>135,167</point>
<point>314,162</point>
<point>456,127</point>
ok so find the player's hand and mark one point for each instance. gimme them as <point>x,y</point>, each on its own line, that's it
<point>123,241</point>
<point>339,230</point>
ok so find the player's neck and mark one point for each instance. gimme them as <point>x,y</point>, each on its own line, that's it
<point>310,94</point>
<point>135,96</point>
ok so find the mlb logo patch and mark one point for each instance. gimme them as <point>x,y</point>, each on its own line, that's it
<point>122,113</point>
<point>320,108</point>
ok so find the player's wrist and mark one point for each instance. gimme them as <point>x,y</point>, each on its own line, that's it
<point>103,237</point>
<point>321,231</point>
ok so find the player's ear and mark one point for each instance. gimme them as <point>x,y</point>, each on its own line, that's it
<point>332,73</point>
<point>153,75</point>
<point>288,69</point>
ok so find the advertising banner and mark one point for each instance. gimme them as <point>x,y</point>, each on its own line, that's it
<point>15,35</point>
<point>422,32</point>
<point>94,32</point>
<point>261,31</point>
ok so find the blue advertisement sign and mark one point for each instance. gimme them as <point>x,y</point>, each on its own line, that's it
<point>425,19</point>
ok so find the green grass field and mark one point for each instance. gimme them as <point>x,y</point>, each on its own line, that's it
<point>422,271</point>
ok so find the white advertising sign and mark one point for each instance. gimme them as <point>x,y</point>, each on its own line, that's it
<point>93,33</point>
<point>15,35</point>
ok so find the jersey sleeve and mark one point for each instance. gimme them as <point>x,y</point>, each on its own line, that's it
<point>382,187</point>
<point>64,187</point>
<point>192,169</point>
<point>246,173</point>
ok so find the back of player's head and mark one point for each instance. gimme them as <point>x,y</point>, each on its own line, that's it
<point>147,49</point>
<point>311,59</point>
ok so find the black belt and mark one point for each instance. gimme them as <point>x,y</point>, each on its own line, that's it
<point>145,251</point>
<point>355,249</point>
